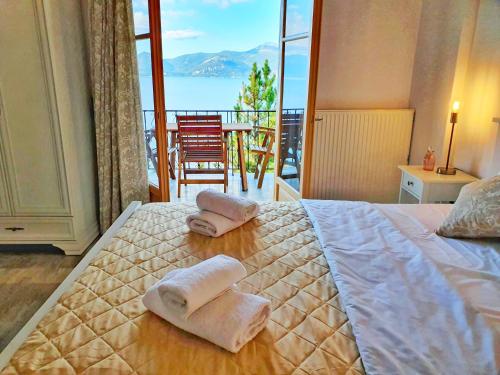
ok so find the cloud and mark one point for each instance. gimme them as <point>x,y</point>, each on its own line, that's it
<point>143,3</point>
<point>296,23</point>
<point>171,13</point>
<point>141,22</point>
<point>224,3</point>
<point>182,34</point>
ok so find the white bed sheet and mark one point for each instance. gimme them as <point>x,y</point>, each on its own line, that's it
<point>473,266</point>
<point>418,303</point>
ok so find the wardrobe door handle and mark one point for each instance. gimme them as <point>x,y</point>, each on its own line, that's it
<point>14,229</point>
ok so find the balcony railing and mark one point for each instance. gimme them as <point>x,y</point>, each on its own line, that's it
<point>265,118</point>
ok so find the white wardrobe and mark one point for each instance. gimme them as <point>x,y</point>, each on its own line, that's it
<point>47,163</point>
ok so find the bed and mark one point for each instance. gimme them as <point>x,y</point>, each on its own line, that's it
<point>95,321</point>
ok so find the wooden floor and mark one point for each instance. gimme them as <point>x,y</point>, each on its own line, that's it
<point>28,276</point>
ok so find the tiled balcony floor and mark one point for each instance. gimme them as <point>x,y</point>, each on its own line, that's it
<point>188,193</point>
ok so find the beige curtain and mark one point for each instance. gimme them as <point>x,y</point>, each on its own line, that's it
<point>121,160</point>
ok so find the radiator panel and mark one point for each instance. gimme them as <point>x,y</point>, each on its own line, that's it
<point>356,154</point>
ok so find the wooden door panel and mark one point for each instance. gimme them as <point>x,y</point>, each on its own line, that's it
<point>299,49</point>
<point>4,198</point>
<point>30,129</point>
<point>157,136</point>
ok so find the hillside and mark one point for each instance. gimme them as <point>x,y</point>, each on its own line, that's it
<point>229,64</point>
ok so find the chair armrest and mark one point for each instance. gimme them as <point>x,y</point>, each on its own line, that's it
<point>264,130</point>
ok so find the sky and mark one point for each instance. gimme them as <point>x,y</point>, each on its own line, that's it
<point>190,26</point>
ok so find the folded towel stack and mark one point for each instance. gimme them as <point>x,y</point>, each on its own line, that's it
<point>191,288</point>
<point>203,300</point>
<point>220,213</point>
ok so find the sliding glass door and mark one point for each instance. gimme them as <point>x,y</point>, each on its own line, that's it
<point>150,64</point>
<point>299,41</point>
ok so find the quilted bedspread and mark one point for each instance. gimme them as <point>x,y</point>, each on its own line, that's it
<point>101,326</point>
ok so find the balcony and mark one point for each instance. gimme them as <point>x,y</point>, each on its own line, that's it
<point>251,139</point>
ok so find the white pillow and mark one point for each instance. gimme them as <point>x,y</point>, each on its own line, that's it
<point>476,213</point>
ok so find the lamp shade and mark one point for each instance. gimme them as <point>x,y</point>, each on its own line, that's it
<point>456,106</point>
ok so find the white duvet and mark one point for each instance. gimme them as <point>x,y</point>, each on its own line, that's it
<point>418,303</point>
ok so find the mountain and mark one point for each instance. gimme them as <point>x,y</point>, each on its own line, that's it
<point>230,64</point>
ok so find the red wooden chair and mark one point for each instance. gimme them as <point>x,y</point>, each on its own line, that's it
<point>201,140</point>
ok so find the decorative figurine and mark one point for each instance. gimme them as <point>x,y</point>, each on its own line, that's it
<point>429,160</point>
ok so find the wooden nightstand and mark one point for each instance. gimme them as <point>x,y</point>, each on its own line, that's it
<point>419,186</point>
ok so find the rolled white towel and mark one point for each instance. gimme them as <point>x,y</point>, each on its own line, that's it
<point>231,206</point>
<point>190,288</point>
<point>229,321</point>
<point>211,224</point>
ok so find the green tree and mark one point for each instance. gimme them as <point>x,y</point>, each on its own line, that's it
<point>259,93</point>
<point>253,92</point>
<point>269,90</point>
<point>239,102</point>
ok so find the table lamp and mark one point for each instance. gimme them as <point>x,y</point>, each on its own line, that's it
<point>453,119</point>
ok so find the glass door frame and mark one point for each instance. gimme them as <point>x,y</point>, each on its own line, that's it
<point>159,193</point>
<point>313,35</point>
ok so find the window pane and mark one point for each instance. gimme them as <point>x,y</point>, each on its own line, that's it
<point>141,18</point>
<point>146,89</point>
<point>298,16</point>
<point>292,116</point>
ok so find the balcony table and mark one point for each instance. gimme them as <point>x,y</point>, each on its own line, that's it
<point>227,127</point>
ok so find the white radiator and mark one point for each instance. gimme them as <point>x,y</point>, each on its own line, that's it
<point>357,153</point>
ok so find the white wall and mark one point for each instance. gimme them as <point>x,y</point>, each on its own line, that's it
<point>367,51</point>
<point>477,142</point>
<point>438,46</point>
<point>420,54</point>
<point>458,58</point>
